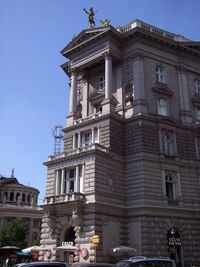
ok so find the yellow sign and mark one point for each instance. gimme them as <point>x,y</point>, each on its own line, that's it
<point>95,240</point>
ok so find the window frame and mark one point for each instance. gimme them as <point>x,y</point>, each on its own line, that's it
<point>168,142</point>
<point>170,187</point>
<point>101,83</point>
<point>161,107</point>
<point>160,74</point>
<point>197,86</point>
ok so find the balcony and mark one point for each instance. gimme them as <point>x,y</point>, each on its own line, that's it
<point>73,196</point>
<point>78,150</point>
<point>94,116</point>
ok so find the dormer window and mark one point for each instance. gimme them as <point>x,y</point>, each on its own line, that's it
<point>160,74</point>
<point>197,86</point>
<point>101,83</point>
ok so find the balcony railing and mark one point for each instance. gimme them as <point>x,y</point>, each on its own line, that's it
<point>63,198</point>
<point>84,148</point>
<point>150,28</point>
<point>93,116</point>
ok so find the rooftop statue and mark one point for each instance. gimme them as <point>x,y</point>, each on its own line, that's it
<point>105,22</point>
<point>90,16</point>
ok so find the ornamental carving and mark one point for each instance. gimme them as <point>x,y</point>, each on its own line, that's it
<point>128,71</point>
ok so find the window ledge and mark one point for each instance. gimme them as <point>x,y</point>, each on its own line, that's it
<point>173,202</point>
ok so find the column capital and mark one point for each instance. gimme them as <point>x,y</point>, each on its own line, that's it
<point>73,69</point>
<point>107,56</point>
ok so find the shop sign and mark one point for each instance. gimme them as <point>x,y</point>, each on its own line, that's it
<point>174,241</point>
<point>173,238</point>
<point>67,243</point>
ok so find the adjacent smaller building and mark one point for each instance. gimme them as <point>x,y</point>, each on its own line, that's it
<point>20,201</point>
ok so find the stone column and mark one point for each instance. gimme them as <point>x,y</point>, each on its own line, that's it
<point>139,88</point>
<point>81,188</point>
<point>76,188</point>
<point>73,141</point>
<point>108,76</point>
<point>62,181</point>
<point>186,116</point>
<point>107,105</point>
<point>57,182</point>
<point>73,92</point>
<point>79,140</point>
<point>93,135</point>
<point>85,111</point>
<point>73,98</point>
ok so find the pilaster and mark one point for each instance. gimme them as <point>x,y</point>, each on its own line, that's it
<point>108,104</point>
<point>73,97</point>
<point>184,97</point>
<point>139,104</point>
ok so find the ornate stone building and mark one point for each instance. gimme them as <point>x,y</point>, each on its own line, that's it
<point>20,201</point>
<point>130,166</point>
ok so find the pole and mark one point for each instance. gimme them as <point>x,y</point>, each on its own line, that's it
<point>95,254</point>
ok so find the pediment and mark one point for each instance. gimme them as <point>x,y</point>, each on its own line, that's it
<point>85,37</point>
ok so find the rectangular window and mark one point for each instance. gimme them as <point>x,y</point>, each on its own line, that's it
<point>168,143</point>
<point>197,86</point>
<point>163,107</point>
<point>96,135</point>
<point>160,74</point>
<point>71,179</point>
<point>101,83</point>
<point>86,139</point>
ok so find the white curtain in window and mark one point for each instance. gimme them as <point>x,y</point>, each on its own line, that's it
<point>162,107</point>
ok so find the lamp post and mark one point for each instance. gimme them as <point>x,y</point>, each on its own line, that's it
<point>95,241</point>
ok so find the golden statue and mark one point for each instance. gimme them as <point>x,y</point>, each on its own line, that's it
<point>90,16</point>
<point>105,22</point>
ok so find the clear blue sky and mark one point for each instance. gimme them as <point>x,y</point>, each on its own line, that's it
<point>33,87</point>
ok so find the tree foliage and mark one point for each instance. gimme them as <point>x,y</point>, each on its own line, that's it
<point>14,234</point>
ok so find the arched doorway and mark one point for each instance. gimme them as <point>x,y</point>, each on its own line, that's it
<point>174,245</point>
<point>69,240</point>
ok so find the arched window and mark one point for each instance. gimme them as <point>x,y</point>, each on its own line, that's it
<point>168,143</point>
<point>23,197</point>
<point>28,198</point>
<point>170,186</point>
<point>70,235</point>
<point>11,196</point>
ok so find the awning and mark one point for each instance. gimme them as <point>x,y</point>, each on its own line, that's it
<point>67,248</point>
<point>23,255</point>
<point>34,248</point>
<point>124,249</point>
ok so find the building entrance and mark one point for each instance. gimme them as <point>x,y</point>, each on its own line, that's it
<point>174,245</point>
<point>69,242</point>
